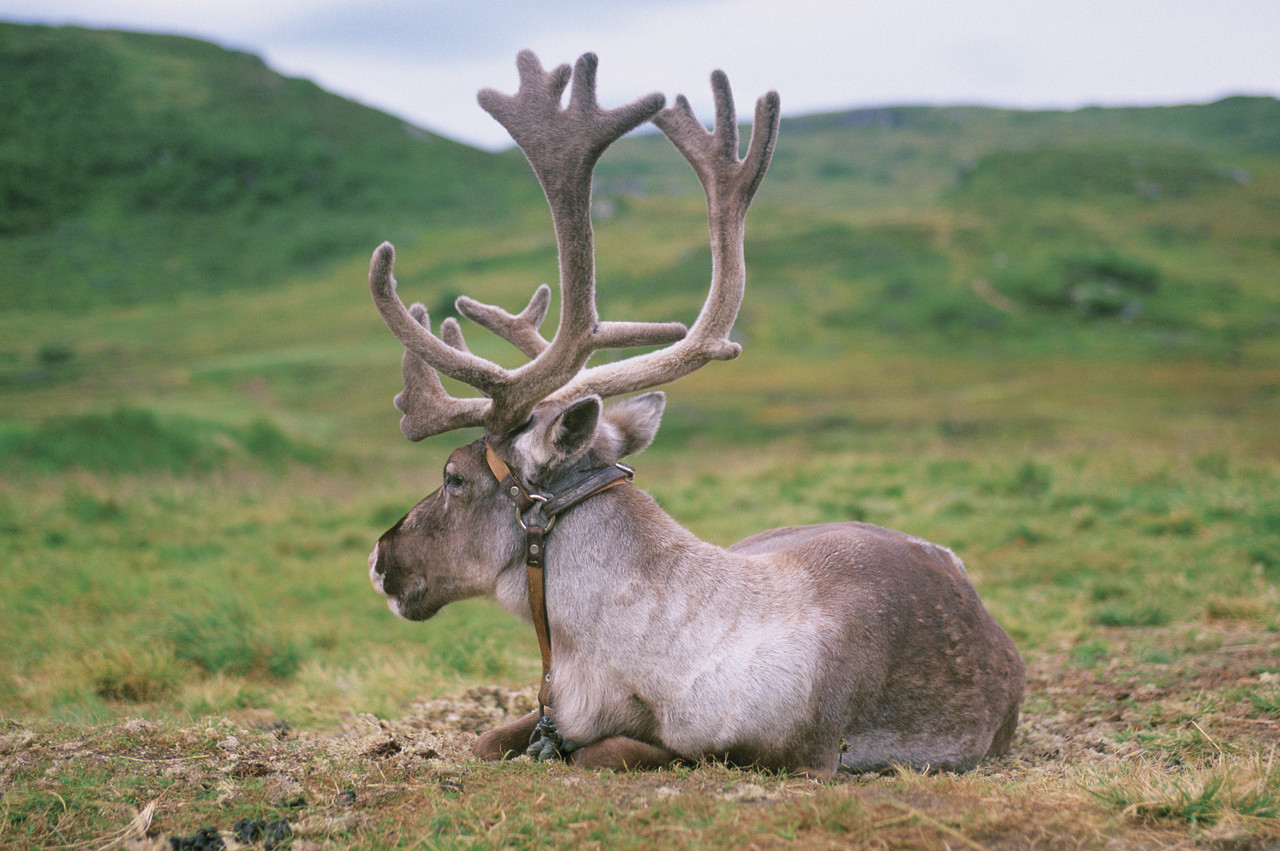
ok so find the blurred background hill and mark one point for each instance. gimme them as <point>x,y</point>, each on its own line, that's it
<point>135,168</point>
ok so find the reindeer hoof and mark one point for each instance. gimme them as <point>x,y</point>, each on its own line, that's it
<point>546,743</point>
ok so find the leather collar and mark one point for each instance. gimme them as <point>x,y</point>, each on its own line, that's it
<point>564,494</point>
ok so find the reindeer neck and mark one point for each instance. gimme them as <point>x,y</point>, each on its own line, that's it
<point>614,539</point>
<point>617,540</point>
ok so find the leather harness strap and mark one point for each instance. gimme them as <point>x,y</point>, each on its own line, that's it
<point>536,514</point>
<point>507,480</point>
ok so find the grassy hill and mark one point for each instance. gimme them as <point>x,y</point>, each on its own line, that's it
<point>1084,231</point>
<point>137,167</point>
<point>1050,341</point>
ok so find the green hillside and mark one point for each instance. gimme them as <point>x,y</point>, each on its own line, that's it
<point>1155,228</point>
<point>1047,340</point>
<point>135,167</point>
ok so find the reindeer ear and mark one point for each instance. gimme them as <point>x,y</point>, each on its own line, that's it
<point>637,420</point>
<point>555,434</point>
<point>572,429</point>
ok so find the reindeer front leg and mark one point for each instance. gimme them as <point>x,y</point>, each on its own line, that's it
<point>506,741</point>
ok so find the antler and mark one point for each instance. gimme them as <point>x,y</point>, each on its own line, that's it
<point>730,184</point>
<point>563,146</point>
<point>520,330</point>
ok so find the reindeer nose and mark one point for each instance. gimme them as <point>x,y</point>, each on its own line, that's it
<point>375,571</point>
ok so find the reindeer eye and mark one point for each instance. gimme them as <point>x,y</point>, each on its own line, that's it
<point>453,480</point>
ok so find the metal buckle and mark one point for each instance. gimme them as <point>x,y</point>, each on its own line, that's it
<point>538,500</point>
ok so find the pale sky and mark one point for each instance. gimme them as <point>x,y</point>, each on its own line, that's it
<point>424,60</point>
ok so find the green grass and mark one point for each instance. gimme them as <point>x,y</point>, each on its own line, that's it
<point>1229,790</point>
<point>137,441</point>
<point>191,139</point>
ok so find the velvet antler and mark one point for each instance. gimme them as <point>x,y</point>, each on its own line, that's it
<point>563,144</point>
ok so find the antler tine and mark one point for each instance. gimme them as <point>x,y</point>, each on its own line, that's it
<point>730,184</point>
<point>450,332</point>
<point>563,146</point>
<point>764,139</point>
<point>427,408</point>
<point>520,330</point>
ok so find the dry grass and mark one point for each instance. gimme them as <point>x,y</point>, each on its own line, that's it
<point>1183,759</point>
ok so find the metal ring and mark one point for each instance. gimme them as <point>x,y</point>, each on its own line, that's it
<point>540,500</point>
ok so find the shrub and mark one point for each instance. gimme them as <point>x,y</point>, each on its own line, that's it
<point>225,638</point>
<point>134,673</point>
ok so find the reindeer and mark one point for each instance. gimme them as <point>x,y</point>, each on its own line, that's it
<point>805,649</point>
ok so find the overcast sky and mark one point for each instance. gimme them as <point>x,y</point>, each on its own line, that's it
<point>424,60</point>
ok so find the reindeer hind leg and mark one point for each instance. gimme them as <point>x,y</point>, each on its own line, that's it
<point>622,754</point>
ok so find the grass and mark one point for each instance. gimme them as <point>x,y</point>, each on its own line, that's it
<point>1118,513</point>
<point>1229,793</point>
<point>229,601</point>
<point>1072,384</point>
<point>138,441</point>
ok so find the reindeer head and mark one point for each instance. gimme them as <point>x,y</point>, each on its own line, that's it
<point>460,539</point>
<point>545,420</point>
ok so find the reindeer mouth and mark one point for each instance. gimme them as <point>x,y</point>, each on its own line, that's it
<point>411,607</point>
<point>406,604</point>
